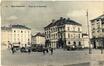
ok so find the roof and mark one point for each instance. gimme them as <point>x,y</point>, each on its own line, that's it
<point>5,28</point>
<point>63,21</point>
<point>39,34</point>
<point>19,26</point>
<point>100,17</point>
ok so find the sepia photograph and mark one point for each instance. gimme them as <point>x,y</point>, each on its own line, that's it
<point>52,33</point>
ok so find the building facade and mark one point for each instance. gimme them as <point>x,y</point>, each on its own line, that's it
<point>5,37</point>
<point>18,35</point>
<point>38,39</point>
<point>85,40</point>
<point>97,28</point>
<point>63,32</point>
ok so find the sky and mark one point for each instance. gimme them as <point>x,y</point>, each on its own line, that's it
<point>38,14</point>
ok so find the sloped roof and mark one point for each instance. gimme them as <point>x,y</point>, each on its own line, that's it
<point>19,26</point>
<point>63,21</point>
<point>39,34</point>
<point>100,17</point>
<point>5,28</point>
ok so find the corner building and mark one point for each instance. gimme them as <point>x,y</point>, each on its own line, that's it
<point>97,28</point>
<point>63,32</point>
<point>17,35</point>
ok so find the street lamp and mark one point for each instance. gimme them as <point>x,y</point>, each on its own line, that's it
<point>101,45</point>
<point>101,39</point>
<point>88,32</point>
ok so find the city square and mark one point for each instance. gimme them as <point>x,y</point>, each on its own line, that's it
<point>38,33</point>
<point>59,58</point>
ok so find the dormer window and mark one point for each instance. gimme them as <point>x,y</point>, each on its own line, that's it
<point>14,31</point>
<point>21,31</point>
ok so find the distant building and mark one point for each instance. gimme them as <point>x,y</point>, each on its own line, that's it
<point>85,40</point>
<point>63,32</point>
<point>18,35</point>
<point>38,39</point>
<point>97,27</point>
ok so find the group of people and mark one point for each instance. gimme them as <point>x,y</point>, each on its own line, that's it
<point>46,50</point>
<point>14,50</point>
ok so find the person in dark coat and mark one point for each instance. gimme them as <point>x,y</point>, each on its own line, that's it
<point>12,49</point>
<point>46,49</point>
<point>51,49</point>
<point>29,50</point>
<point>43,50</point>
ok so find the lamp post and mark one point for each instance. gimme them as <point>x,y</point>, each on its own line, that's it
<point>101,39</point>
<point>101,46</point>
<point>88,32</point>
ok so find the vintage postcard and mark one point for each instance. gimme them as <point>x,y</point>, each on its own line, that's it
<point>52,33</point>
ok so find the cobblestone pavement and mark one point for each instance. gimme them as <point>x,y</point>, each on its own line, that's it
<point>59,58</point>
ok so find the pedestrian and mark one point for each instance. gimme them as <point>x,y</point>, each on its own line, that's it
<point>12,49</point>
<point>51,49</point>
<point>29,50</point>
<point>44,50</point>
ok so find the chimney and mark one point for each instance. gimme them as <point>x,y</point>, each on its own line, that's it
<point>68,19</point>
<point>61,18</point>
<point>64,19</point>
<point>53,21</point>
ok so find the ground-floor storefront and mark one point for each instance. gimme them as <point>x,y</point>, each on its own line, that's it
<point>97,42</point>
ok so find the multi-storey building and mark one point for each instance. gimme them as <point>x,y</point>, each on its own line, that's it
<point>5,36</point>
<point>63,32</point>
<point>97,27</point>
<point>38,39</point>
<point>18,35</point>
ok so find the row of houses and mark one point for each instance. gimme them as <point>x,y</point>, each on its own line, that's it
<point>59,33</point>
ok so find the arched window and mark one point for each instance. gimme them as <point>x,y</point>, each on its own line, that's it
<point>69,42</point>
<point>79,43</point>
<point>74,43</point>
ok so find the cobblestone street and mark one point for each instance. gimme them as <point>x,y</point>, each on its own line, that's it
<point>59,58</point>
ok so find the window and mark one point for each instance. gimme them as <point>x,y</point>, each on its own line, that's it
<point>79,35</point>
<point>102,22</point>
<point>97,19</point>
<point>102,30</point>
<point>78,29</point>
<point>14,31</point>
<point>28,31</point>
<point>73,28</point>
<point>21,31</point>
<point>93,31</point>
<point>68,29</point>
<point>79,43</point>
<point>45,32</point>
<point>71,36</point>
<point>92,24</point>
<point>68,35</point>
<point>93,28</point>
<point>74,43</point>
<point>69,42</point>
<point>74,35</point>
